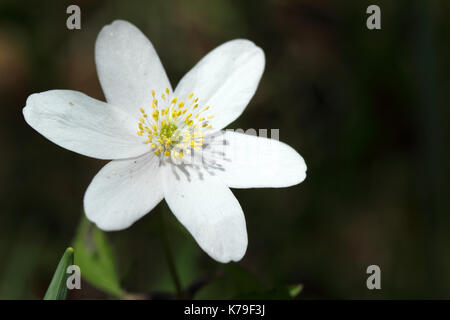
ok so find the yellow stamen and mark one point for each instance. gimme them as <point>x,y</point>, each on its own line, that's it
<point>171,130</point>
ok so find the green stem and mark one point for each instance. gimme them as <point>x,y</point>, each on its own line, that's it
<point>169,256</point>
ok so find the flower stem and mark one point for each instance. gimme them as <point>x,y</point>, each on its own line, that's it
<point>169,256</point>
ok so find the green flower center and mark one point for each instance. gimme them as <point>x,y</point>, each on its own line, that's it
<point>168,130</point>
<point>175,126</point>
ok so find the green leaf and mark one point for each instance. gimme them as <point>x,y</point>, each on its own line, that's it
<point>294,290</point>
<point>283,293</point>
<point>57,290</point>
<point>95,259</point>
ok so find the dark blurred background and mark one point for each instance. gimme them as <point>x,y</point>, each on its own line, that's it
<point>368,110</point>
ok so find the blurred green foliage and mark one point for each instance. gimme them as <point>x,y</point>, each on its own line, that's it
<point>368,110</point>
<point>95,258</point>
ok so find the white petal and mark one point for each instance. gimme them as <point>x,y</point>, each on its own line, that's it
<point>246,161</point>
<point>209,211</point>
<point>82,124</point>
<point>123,191</point>
<point>128,67</point>
<point>225,79</point>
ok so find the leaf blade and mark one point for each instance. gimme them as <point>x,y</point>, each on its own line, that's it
<point>57,290</point>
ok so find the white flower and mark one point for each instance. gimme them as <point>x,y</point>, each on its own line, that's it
<point>148,130</point>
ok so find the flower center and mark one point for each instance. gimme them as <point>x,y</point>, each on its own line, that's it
<point>167,131</point>
<point>174,127</point>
